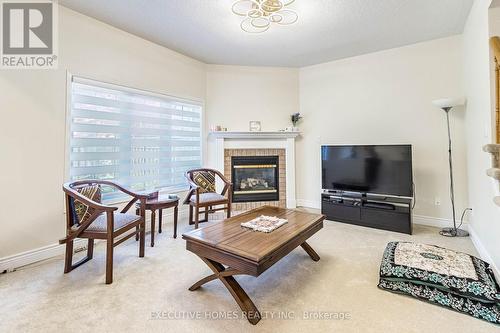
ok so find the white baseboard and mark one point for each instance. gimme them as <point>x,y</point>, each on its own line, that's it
<point>437,222</point>
<point>308,203</point>
<point>483,253</point>
<point>10,263</point>
<point>13,262</point>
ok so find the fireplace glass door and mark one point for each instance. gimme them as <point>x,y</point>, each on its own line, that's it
<point>255,178</point>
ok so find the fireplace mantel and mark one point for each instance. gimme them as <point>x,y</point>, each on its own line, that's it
<point>261,140</point>
<point>254,135</point>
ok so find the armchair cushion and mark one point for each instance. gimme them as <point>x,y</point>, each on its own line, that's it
<point>120,220</point>
<point>81,211</point>
<point>208,197</point>
<point>205,180</point>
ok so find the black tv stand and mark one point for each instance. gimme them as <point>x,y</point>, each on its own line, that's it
<point>379,205</point>
<point>381,212</point>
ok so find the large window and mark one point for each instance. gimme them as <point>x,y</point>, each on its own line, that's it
<point>142,140</point>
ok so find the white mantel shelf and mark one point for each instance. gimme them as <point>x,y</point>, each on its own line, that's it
<point>254,135</point>
<point>260,140</point>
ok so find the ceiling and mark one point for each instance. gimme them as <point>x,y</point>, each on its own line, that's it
<point>327,30</point>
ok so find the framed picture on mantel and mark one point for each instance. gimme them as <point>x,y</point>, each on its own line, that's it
<point>255,126</point>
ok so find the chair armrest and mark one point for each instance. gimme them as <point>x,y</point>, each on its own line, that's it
<point>126,191</point>
<point>192,184</point>
<point>193,188</point>
<point>222,177</point>
<point>96,205</point>
<point>75,232</point>
<point>227,189</point>
<point>227,184</point>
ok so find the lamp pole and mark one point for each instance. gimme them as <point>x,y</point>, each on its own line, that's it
<point>451,232</point>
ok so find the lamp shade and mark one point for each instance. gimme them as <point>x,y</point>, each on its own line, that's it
<point>444,103</point>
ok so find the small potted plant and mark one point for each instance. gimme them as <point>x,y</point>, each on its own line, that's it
<point>296,117</point>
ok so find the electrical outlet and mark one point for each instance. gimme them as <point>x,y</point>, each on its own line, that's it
<point>437,202</point>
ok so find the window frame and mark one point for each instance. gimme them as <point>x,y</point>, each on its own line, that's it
<point>70,78</point>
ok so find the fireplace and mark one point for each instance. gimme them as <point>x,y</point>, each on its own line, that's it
<point>255,178</point>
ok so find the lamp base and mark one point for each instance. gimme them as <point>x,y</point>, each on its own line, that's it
<point>452,232</point>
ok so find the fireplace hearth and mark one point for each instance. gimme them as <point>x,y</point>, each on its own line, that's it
<point>255,178</point>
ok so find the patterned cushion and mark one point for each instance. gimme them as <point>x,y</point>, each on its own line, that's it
<point>205,180</point>
<point>208,197</point>
<point>448,278</point>
<point>486,311</point>
<point>120,221</point>
<point>82,211</point>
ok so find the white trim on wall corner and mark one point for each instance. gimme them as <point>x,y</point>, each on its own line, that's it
<point>483,253</point>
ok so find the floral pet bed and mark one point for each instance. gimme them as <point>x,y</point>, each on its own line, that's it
<point>451,279</point>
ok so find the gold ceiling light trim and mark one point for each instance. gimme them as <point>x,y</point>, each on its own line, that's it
<point>261,14</point>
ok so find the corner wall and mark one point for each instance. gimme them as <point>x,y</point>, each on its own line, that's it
<point>237,95</point>
<point>386,98</point>
<point>485,218</point>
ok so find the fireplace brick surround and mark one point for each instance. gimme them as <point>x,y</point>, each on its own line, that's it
<point>281,144</point>
<point>229,153</point>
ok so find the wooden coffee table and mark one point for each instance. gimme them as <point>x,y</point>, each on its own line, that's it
<point>229,249</point>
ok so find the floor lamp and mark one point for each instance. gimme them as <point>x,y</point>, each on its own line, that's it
<point>447,105</point>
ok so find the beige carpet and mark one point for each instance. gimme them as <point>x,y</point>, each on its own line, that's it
<point>343,283</point>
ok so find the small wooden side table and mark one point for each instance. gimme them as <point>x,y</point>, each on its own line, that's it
<point>160,202</point>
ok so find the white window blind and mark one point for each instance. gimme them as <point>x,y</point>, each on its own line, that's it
<point>142,140</point>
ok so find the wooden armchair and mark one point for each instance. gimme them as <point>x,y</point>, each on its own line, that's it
<point>99,221</point>
<point>202,198</point>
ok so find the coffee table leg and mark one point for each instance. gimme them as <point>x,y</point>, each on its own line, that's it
<point>153,217</point>
<point>176,212</point>
<point>160,215</point>
<point>226,277</point>
<point>310,251</point>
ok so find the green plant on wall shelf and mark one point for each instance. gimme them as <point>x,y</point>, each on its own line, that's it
<point>296,117</point>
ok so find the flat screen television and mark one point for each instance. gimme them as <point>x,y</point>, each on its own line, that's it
<point>374,169</point>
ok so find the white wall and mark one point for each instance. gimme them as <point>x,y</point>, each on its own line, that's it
<point>485,220</point>
<point>33,110</point>
<point>385,98</point>
<point>236,95</point>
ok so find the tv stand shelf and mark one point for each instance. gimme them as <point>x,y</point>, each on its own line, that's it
<point>387,213</point>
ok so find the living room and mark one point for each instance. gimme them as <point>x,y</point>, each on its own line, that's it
<point>266,105</point>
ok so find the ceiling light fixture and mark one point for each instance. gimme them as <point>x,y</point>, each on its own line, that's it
<point>260,14</point>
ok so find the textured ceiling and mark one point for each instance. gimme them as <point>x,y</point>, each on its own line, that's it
<point>327,30</point>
